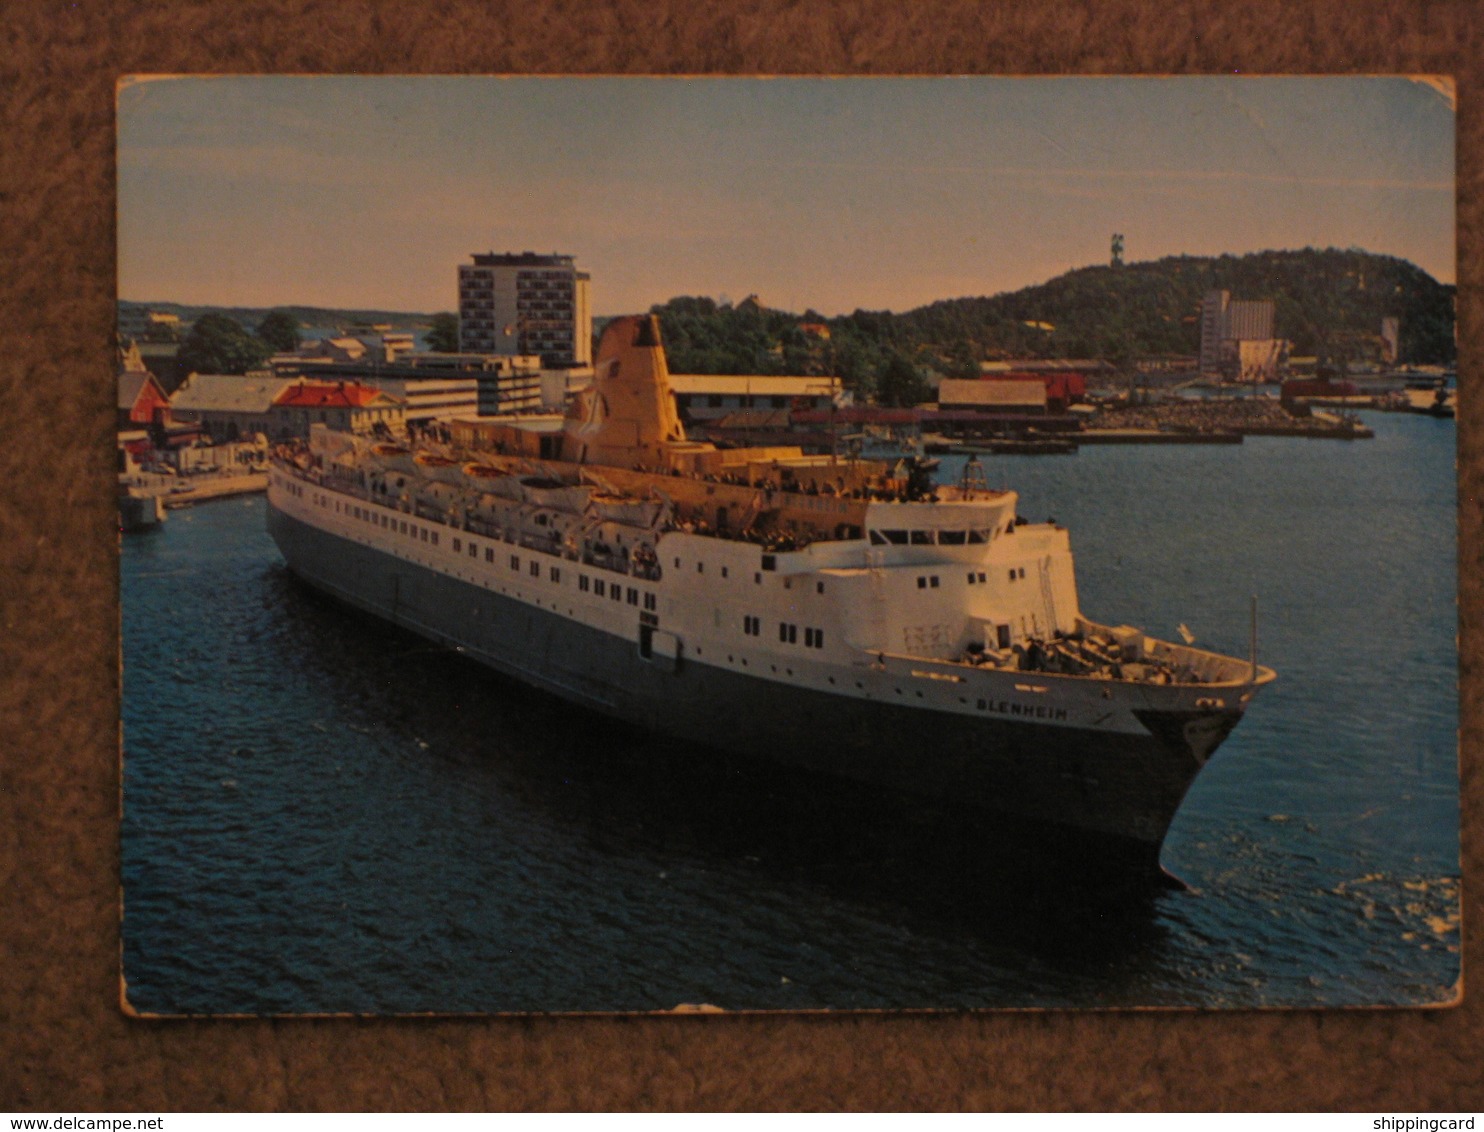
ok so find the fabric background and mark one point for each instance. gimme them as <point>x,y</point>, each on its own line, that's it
<point>65,1045</point>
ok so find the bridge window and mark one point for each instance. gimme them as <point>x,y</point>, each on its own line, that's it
<point>922,538</point>
<point>952,538</point>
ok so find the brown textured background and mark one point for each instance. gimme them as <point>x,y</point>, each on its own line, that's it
<point>64,1045</point>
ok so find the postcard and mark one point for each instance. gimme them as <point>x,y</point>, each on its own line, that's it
<point>601,545</point>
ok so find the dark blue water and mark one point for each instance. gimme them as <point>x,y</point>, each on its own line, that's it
<point>321,814</point>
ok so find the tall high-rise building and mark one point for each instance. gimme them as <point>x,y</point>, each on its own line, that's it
<point>526,304</point>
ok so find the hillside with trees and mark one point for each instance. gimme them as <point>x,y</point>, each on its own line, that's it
<point>1324,302</point>
<point>304,316</point>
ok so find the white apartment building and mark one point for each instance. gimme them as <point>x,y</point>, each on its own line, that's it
<point>526,304</point>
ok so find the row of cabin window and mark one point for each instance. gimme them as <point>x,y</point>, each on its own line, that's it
<point>599,586</point>
<point>701,569</point>
<point>789,635</point>
<point>396,526</point>
<point>489,553</point>
<point>757,576</point>
<point>930,581</point>
<point>929,538</point>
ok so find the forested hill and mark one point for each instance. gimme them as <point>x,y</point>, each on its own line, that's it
<point>306,316</point>
<point>1325,300</point>
<point>1154,308</point>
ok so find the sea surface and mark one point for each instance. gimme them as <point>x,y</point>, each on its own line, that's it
<point>322,814</point>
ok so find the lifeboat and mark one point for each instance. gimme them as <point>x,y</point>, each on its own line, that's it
<point>543,491</point>
<point>609,507</point>
<point>440,468</point>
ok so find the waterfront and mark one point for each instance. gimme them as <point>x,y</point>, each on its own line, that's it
<point>323,815</point>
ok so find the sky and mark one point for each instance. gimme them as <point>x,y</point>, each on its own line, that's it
<point>830,194</point>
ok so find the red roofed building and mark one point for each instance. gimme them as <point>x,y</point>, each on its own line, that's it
<point>141,400</point>
<point>344,406</point>
<point>1063,389</point>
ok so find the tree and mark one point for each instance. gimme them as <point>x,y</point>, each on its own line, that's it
<point>443,334</point>
<point>900,384</point>
<point>218,344</point>
<point>280,330</point>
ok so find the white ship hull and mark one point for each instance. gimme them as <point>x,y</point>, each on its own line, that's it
<point>1110,757</point>
<point>836,616</point>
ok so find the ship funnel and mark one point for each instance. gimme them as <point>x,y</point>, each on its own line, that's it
<point>648,333</point>
<point>627,417</point>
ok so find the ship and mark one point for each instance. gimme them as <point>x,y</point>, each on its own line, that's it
<point>848,617</point>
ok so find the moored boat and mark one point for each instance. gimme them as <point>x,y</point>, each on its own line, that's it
<point>851,617</point>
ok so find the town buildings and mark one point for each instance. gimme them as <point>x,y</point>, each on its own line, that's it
<point>442,386</point>
<point>227,407</point>
<point>342,406</point>
<point>141,400</point>
<point>526,304</point>
<point>703,398</point>
<point>140,324</point>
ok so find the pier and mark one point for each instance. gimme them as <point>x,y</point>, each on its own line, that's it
<point>1154,436</point>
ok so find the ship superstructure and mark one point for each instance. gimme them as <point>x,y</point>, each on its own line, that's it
<point>847,616</point>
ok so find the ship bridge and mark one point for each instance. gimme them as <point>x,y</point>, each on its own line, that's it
<point>945,529</point>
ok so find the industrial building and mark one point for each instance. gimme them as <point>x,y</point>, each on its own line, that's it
<point>1237,338</point>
